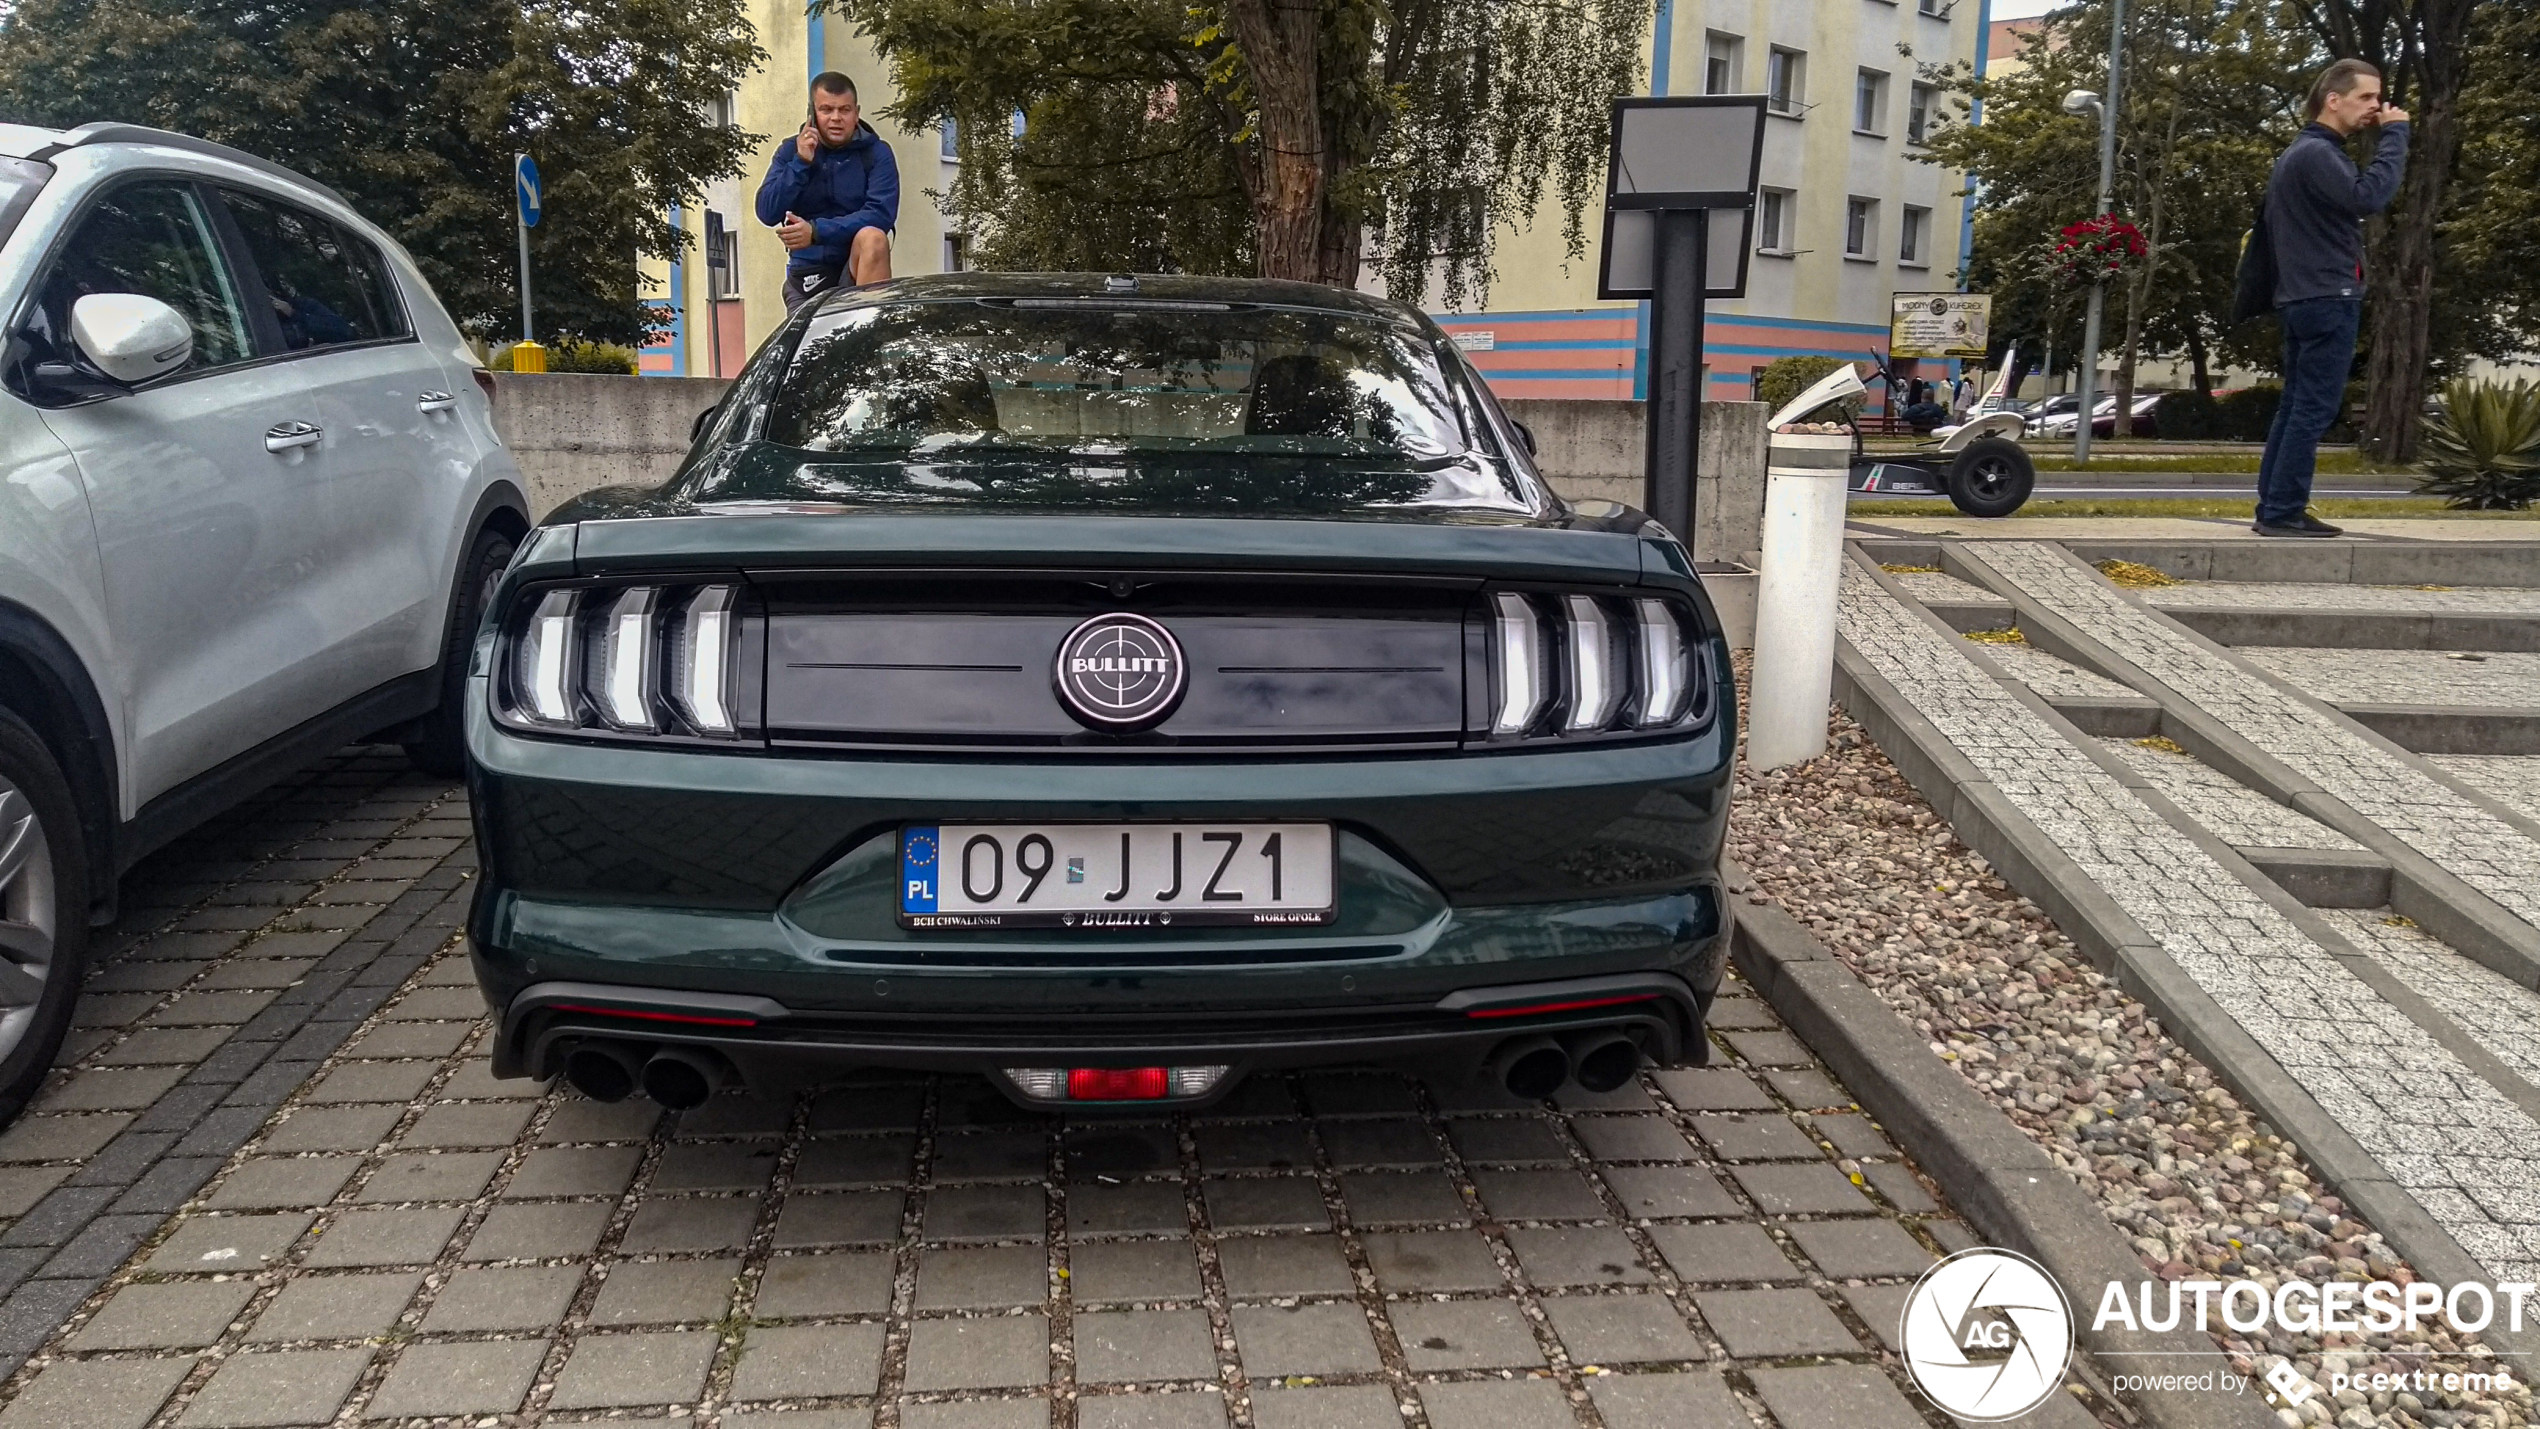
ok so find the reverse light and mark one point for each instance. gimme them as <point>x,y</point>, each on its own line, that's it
<point>706,639</point>
<point>1114,1084</point>
<point>547,660</point>
<point>626,662</point>
<point>1665,679</point>
<point>1596,684</point>
<point>1520,646</point>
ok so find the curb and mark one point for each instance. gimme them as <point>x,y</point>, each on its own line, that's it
<point>2000,1180</point>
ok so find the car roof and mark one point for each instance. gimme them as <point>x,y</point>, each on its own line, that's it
<point>1181,287</point>
<point>26,141</point>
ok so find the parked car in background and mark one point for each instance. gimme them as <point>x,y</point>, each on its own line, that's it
<point>2061,421</point>
<point>1110,687</point>
<point>251,503</point>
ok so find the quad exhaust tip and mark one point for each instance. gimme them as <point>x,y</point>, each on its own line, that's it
<point>680,1079</point>
<point>1531,1068</point>
<point>601,1071</point>
<point>1602,1060</point>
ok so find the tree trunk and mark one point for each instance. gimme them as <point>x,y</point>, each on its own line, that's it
<point>2402,286</point>
<point>1277,38</point>
<point>2196,356</point>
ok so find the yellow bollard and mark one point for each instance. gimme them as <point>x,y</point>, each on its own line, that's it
<point>528,357</point>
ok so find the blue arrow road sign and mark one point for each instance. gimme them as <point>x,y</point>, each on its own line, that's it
<point>525,180</point>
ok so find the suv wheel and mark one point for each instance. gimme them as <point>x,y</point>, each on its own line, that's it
<point>442,748</point>
<point>43,912</point>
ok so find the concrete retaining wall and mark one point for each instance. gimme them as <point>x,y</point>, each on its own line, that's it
<point>572,432</point>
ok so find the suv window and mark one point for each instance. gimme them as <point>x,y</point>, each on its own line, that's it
<point>326,286</point>
<point>151,239</point>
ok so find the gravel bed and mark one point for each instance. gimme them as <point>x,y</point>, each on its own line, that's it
<point>2200,1185</point>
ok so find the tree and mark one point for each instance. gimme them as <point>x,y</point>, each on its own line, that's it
<point>1245,134</point>
<point>2487,289</point>
<point>413,113</point>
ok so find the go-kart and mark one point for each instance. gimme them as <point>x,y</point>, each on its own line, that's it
<point>1978,465</point>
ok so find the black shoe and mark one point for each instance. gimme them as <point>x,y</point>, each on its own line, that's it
<point>2309,525</point>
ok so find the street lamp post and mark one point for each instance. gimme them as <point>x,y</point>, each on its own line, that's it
<point>2081,101</point>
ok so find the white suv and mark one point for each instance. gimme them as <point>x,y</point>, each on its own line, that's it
<point>251,502</point>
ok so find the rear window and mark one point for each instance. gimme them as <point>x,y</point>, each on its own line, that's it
<point>19,180</point>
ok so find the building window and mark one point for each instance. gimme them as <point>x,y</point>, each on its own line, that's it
<point>1860,226</point>
<point>1913,232</point>
<point>1785,81</point>
<point>948,140</point>
<point>723,258</point>
<point>1719,63</point>
<point>956,252</point>
<point>1869,102</point>
<point>1918,114</point>
<point>1937,9</point>
<point>723,111</point>
<point>1775,212</point>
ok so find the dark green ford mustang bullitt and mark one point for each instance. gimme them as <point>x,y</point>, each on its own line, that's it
<point>1109,686</point>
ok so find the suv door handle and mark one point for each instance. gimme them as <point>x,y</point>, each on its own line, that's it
<point>283,436</point>
<point>435,402</point>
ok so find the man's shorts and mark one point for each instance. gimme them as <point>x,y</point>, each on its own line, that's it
<point>804,284</point>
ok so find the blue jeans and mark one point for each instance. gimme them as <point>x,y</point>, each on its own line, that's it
<point>2319,350</point>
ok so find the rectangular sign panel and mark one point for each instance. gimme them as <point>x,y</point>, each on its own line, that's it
<point>1940,325</point>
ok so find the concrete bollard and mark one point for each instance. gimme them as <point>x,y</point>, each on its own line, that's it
<point>1795,598</point>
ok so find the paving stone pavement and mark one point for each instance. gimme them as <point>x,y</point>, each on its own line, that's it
<point>2051,677</point>
<point>2510,779</point>
<point>2285,595</point>
<point>2504,679</point>
<point>2466,1152</point>
<point>2232,811</point>
<point>307,1201</point>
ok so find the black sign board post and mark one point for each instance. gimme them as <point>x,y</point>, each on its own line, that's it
<point>1679,208</point>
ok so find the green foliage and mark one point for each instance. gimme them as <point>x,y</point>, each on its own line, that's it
<point>1784,378</point>
<point>2482,452</point>
<point>574,355</point>
<point>413,113</point>
<point>1433,124</point>
<point>2486,288</point>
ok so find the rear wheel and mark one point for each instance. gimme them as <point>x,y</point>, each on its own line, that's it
<point>1992,476</point>
<point>43,912</point>
<point>442,747</point>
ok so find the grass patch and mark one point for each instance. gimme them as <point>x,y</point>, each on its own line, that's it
<point>2135,576</point>
<point>2333,508</point>
<point>1997,637</point>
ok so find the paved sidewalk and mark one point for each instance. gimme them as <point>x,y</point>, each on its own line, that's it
<point>280,1187</point>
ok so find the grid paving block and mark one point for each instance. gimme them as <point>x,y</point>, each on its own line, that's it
<point>647,1367</point>
<point>336,1307</point>
<point>1137,1270</point>
<point>1770,1049</point>
<point>1278,1340</point>
<point>991,1156</point>
<point>270,1084</point>
<point>867,1108</point>
<point>22,1186</point>
<point>1139,1206</point>
<point>1497,1404</point>
<point>1799,1189</point>
<point>539,1232</point>
<point>371,1082</point>
<point>1120,1151</point>
<point>1130,1345</point>
<point>986,1212</point>
<point>1340,1406</point>
<point>1699,1400</point>
<point>1730,1013</point>
<point>274,1387</point>
<point>1622,1329</point>
<point>1578,1255</point>
<point>1465,1334</point>
<point>386,1237</point>
<point>855,1161</point>
<point>686,1223</point>
<point>524,1297</point>
<point>181,1315</point>
<point>1809,1091</point>
<point>60,1138</point>
<point>1632,1138</point>
<point>1379,1142</point>
<point>431,1176</point>
<point>222,1130</point>
<point>439,1004</point>
<point>807,1361</point>
<point>108,1089</point>
<point>470,1124</point>
<point>187,1107</point>
<point>101,1245</point>
<point>111,1009</point>
<point>577,1120</point>
<point>836,1217</point>
<point>1861,1249</point>
<point>164,1046</point>
<point>1359,1094</point>
<point>347,1128</point>
<point>1630,1096</point>
<point>1712,1089</point>
<point>123,1158</point>
<point>1432,1260</point>
<point>1729,1253</point>
<point>237,1059</point>
<point>1882,1308</point>
<point>205,1009</point>
<point>1266,1203</point>
<point>1756,1138</point>
<point>984,1278</point>
<point>1203,1409</point>
<point>475,1081</point>
<point>1774,1324</point>
<point>169,1184</point>
<point>95,1394</point>
<point>1380,1197</point>
<point>61,1214</point>
<point>1261,1266</point>
<point>798,1419</point>
<point>1538,1195</point>
<point>665,1292</point>
<point>1834,1397</point>
<point>1253,1146</point>
<point>855,1282</point>
<point>227,1243</point>
<point>575,1171</point>
<point>476,1377</point>
<point>1503,1140</point>
<point>1853,1135</point>
<point>976,1414</point>
<point>410,1039</point>
<point>715,1166</point>
<point>254,974</point>
<point>1002,1352</point>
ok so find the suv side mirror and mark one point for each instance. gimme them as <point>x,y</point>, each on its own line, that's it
<point>129,337</point>
<point>1526,434</point>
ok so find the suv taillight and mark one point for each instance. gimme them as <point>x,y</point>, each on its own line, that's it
<point>646,661</point>
<point>1579,665</point>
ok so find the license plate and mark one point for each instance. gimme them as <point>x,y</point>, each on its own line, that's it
<point>1115,875</point>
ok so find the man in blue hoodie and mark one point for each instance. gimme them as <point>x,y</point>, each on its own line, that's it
<point>2315,207</point>
<point>832,194</point>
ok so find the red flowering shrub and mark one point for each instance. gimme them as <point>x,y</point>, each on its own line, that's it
<point>2098,249</point>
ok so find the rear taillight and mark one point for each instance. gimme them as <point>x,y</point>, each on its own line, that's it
<point>644,660</point>
<point>1581,665</point>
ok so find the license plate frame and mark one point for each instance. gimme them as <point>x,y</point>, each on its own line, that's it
<point>937,859</point>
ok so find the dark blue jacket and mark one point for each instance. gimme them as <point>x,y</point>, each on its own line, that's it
<point>2316,204</point>
<point>853,187</point>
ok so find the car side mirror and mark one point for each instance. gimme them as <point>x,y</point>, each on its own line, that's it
<point>1526,434</point>
<point>697,428</point>
<point>129,337</point>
